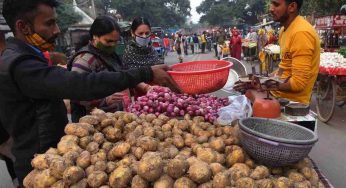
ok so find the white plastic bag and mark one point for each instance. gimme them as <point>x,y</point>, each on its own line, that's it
<point>239,108</point>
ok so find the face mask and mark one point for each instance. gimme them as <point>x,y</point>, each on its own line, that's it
<point>142,41</point>
<point>37,41</point>
<point>104,48</point>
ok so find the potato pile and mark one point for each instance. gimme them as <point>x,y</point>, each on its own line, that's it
<point>121,150</point>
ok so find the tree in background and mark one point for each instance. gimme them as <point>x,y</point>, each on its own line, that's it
<point>66,15</point>
<point>164,13</point>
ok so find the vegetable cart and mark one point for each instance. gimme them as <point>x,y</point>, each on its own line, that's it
<point>331,91</point>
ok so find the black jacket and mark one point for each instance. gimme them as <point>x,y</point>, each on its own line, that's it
<point>31,93</point>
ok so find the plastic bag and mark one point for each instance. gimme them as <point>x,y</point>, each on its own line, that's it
<point>239,108</point>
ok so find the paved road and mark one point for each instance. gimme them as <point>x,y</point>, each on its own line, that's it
<point>330,151</point>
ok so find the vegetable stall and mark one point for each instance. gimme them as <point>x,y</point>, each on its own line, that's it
<point>331,90</point>
<point>175,140</point>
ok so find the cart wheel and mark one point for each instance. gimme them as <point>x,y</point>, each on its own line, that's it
<point>326,98</point>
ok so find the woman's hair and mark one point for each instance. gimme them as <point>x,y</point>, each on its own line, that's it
<point>103,25</point>
<point>139,21</point>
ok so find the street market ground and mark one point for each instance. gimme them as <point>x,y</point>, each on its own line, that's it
<point>330,151</point>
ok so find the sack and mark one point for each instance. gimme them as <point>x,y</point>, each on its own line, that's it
<point>239,108</point>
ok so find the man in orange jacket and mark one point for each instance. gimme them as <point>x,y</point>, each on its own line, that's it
<point>300,54</point>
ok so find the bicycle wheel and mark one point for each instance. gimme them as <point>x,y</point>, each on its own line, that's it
<point>326,98</point>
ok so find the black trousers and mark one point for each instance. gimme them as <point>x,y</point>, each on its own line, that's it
<point>216,51</point>
<point>203,47</point>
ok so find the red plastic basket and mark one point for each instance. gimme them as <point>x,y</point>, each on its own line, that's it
<point>200,77</point>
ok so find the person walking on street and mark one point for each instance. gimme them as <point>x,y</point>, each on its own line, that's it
<point>214,42</point>
<point>196,42</point>
<point>221,38</point>
<point>166,44</point>
<point>190,41</point>
<point>235,45</point>
<point>177,44</point>
<point>185,44</point>
<point>203,41</point>
<point>31,93</point>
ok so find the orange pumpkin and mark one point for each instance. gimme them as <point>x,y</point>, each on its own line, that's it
<point>266,108</point>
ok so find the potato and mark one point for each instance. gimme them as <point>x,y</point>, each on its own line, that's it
<point>81,184</point>
<point>71,156</point>
<point>101,155</point>
<point>111,166</point>
<point>184,182</point>
<point>176,168</point>
<point>164,182</point>
<point>130,127</point>
<point>192,160</point>
<point>200,172</point>
<point>195,147</point>
<point>73,174</point>
<point>216,168</point>
<point>90,169</point>
<point>149,131</point>
<point>296,177</point>
<point>163,118</point>
<point>260,172</point>
<point>44,179</point>
<point>157,122</point>
<point>314,178</point>
<point>218,145</point>
<point>250,163</point>
<point>128,118</point>
<point>178,141</point>
<point>277,171</point>
<point>106,123</point>
<point>84,141</point>
<point>52,151</point>
<point>229,141</point>
<point>206,185</point>
<point>97,178</point>
<point>245,183</point>
<point>65,146</point>
<point>101,166</point>
<point>100,114</point>
<point>57,168</point>
<point>189,141</point>
<point>202,139</point>
<point>138,182</point>
<point>187,117</point>
<point>120,149</point>
<point>150,167</point>
<point>76,129</point>
<point>303,184</point>
<point>137,152</point>
<point>42,161</point>
<point>28,181</point>
<point>220,158</point>
<point>99,138</point>
<point>306,171</point>
<point>119,124</point>
<point>166,127</point>
<point>93,120</point>
<point>265,183</point>
<point>171,152</point>
<point>112,134</point>
<point>89,127</point>
<point>160,135</point>
<point>134,167</point>
<point>283,182</point>
<point>93,147</point>
<point>120,177</point>
<point>131,139</point>
<point>177,131</point>
<point>207,155</point>
<point>221,180</point>
<point>150,117</point>
<point>167,134</point>
<point>58,184</point>
<point>236,156</point>
<point>198,119</point>
<point>303,163</point>
<point>239,170</point>
<point>147,143</point>
<point>186,151</point>
<point>119,114</point>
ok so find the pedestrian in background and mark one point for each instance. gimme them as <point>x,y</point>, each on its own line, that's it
<point>235,45</point>
<point>195,42</point>
<point>177,45</point>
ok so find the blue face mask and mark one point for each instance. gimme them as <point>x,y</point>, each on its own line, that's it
<point>142,41</point>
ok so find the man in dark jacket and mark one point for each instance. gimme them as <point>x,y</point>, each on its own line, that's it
<point>31,106</point>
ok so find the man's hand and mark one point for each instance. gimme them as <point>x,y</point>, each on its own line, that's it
<point>116,97</point>
<point>162,78</point>
<point>242,86</point>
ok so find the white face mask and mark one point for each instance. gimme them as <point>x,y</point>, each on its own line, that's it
<point>142,41</point>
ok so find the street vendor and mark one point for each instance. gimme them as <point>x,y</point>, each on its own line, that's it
<point>300,55</point>
<point>31,93</point>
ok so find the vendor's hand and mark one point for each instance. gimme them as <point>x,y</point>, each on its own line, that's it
<point>116,97</point>
<point>162,78</point>
<point>242,86</point>
<point>271,85</point>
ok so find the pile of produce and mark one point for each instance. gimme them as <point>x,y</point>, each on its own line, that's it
<point>121,150</point>
<point>161,100</point>
<point>275,49</point>
<point>332,60</point>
